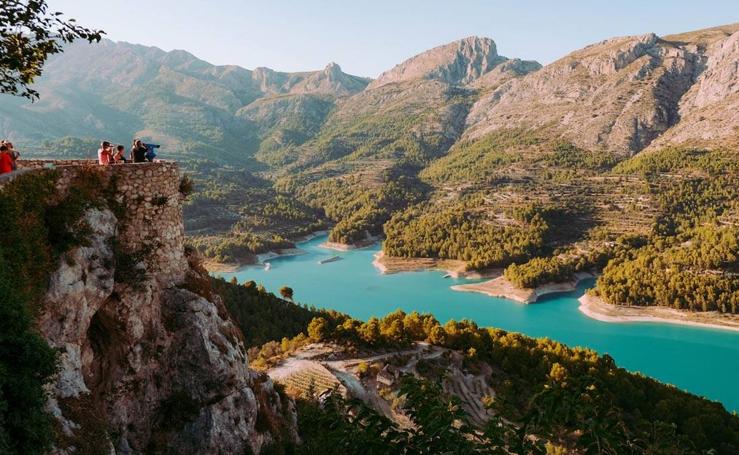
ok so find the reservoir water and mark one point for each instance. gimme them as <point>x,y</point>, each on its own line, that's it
<point>702,361</point>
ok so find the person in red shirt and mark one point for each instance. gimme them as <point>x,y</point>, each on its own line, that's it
<point>105,153</point>
<point>6,161</point>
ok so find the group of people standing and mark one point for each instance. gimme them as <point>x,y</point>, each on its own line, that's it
<point>107,154</point>
<point>8,157</point>
<point>140,153</point>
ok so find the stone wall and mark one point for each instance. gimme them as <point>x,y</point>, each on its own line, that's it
<point>149,193</point>
<point>37,164</point>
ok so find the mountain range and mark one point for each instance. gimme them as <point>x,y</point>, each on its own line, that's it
<point>619,95</point>
<point>618,160</point>
<point>456,122</point>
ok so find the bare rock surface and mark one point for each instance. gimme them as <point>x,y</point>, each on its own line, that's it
<point>152,367</point>
<point>709,111</point>
<point>459,62</point>
<point>624,94</point>
<point>617,95</point>
<point>329,81</point>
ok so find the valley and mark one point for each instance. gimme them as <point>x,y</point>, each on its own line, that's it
<point>469,253</point>
<point>460,154</point>
<point>354,286</point>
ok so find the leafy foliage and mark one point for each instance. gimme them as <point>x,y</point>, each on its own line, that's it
<point>565,154</point>
<point>249,216</point>
<point>572,399</point>
<point>694,272</point>
<point>538,271</point>
<point>359,210</point>
<point>674,158</point>
<point>477,160</point>
<point>260,315</point>
<point>240,247</point>
<point>29,33</point>
<point>30,245</point>
<point>690,262</point>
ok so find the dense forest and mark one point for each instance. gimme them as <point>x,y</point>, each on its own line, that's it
<point>691,260</point>
<point>234,215</point>
<point>460,230</point>
<point>261,315</point>
<point>573,400</point>
<point>359,210</point>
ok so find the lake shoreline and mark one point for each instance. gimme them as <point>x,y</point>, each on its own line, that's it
<point>596,308</point>
<point>500,287</point>
<point>213,266</point>
<point>356,287</point>
<point>388,265</point>
<point>337,246</point>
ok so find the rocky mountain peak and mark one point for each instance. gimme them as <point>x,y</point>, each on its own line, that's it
<point>332,69</point>
<point>459,62</point>
<point>330,81</point>
<point>616,95</point>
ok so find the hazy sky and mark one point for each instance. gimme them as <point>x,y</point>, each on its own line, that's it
<point>368,37</point>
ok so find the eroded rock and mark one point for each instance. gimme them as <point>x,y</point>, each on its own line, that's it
<point>151,366</point>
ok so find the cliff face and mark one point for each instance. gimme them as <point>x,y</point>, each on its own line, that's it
<point>708,111</point>
<point>619,95</point>
<point>625,93</point>
<point>459,62</point>
<point>149,359</point>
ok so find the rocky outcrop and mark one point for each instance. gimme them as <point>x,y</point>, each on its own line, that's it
<point>149,360</point>
<point>459,62</point>
<point>329,81</point>
<point>617,95</point>
<point>709,111</point>
<point>504,72</point>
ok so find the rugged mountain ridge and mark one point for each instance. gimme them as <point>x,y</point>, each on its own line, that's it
<point>618,95</point>
<point>329,81</point>
<point>117,91</point>
<point>708,109</point>
<point>459,62</point>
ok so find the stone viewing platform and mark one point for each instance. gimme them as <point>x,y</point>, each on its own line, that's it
<point>151,202</point>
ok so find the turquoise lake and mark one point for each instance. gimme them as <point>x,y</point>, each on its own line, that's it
<point>702,361</point>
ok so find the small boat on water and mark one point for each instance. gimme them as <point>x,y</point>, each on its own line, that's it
<point>448,275</point>
<point>267,266</point>
<point>331,259</point>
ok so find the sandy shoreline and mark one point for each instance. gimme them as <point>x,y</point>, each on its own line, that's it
<point>389,265</point>
<point>230,267</point>
<point>310,236</point>
<point>222,267</point>
<point>594,307</point>
<point>502,288</point>
<point>369,241</point>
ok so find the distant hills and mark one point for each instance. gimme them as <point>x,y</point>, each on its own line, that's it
<point>457,124</point>
<point>618,96</point>
<point>118,91</point>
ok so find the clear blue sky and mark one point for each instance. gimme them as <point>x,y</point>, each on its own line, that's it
<point>368,37</point>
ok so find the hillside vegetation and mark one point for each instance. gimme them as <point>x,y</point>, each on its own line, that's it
<point>571,400</point>
<point>625,150</point>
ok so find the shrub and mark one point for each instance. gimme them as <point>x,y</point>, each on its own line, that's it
<point>186,185</point>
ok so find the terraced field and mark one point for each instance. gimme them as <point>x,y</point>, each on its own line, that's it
<point>309,371</point>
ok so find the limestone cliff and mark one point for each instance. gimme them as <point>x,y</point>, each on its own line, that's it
<point>459,62</point>
<point>149,359</point>
<point>329,81</point>
<point>624,93</point>
<point>708,110</point>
